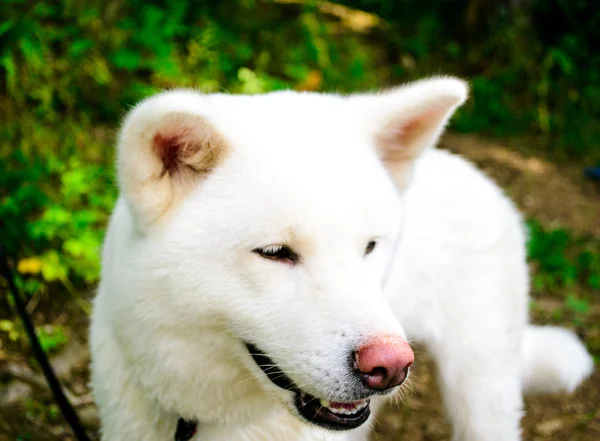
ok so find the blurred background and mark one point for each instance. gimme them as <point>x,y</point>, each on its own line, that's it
<point>70,69</point>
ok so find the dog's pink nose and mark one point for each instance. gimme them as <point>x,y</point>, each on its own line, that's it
<point>384,362</point>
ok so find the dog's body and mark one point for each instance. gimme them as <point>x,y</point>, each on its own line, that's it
<point>243,223</point>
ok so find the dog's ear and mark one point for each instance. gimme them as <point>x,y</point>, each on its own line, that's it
<point>166,144</point>
<point>408,119</point>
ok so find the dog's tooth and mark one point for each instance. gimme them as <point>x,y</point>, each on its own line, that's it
<point>350,408</point>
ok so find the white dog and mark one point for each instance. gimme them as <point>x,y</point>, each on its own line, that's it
<point>271,255</point>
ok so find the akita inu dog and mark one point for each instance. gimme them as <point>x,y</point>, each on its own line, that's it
<point>271,256</point>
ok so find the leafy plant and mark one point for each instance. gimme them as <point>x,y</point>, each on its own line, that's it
<point>11,329</point>
<point>52,338</point>
<point>561,262</point>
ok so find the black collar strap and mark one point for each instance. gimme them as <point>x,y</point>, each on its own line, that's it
<point>185,430</point>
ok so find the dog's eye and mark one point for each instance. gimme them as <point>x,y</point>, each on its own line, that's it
<point>370,247</point>
<point>277,252</point>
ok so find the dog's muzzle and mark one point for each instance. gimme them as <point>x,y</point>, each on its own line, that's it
<point>330,415</point>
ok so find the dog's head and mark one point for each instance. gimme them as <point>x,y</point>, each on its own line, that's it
<point>277,216</point>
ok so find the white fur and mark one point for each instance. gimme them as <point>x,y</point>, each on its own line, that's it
<point>181,288</point>
<point>553,360</point>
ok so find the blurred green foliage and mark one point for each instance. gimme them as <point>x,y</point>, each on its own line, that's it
<point>566,267</point>
<point>70,69</point>
<point>561,260</point>
<point>52,338</point>
<point>533,64</point>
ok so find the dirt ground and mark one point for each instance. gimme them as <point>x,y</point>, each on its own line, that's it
<point>554,193</point>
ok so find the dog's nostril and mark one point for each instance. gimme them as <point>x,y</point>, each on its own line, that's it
<point>376,379</point>
<point>378,372</point>
<point>384,363</point>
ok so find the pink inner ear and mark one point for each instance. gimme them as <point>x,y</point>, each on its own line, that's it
<point>398,138</point>
<point>168,149</point>
<point>187,144</point>
<point>178,141</point>
<point>401,140</point>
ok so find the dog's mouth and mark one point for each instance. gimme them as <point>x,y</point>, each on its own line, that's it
<point>330,415</point>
